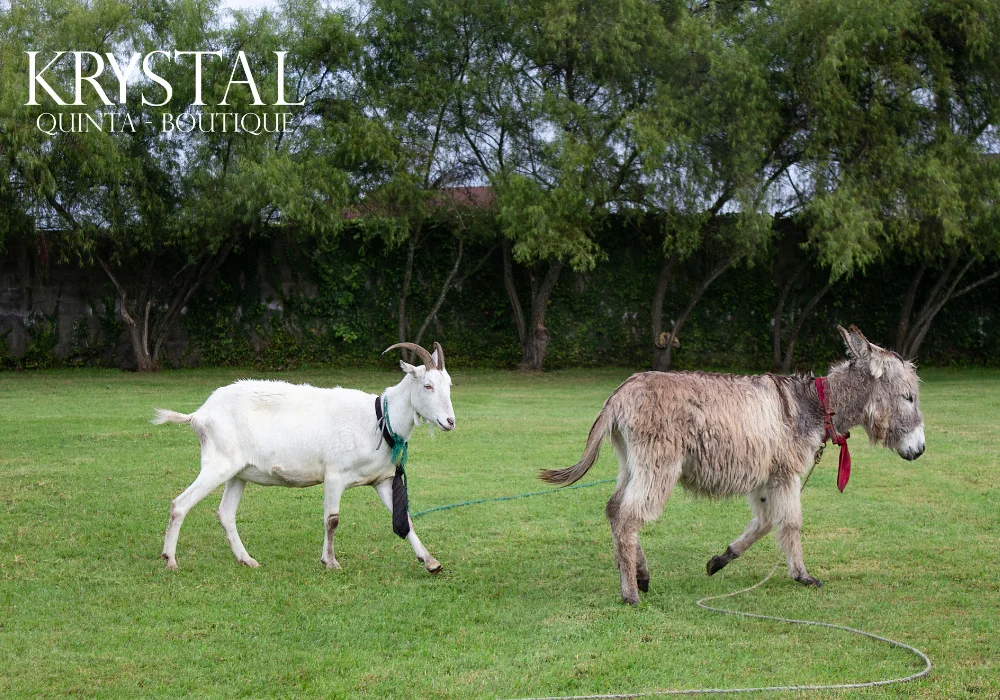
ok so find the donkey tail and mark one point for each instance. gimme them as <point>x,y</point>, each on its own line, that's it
<point>164,416</point>
<point>598,431</point>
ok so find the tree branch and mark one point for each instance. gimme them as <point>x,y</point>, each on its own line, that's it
<point>968,288</point>
<point>444,291</point>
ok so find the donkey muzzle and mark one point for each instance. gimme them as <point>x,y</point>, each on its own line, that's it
<point>913,445</point>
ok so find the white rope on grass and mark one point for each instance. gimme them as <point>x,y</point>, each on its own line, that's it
<point>770,688</point>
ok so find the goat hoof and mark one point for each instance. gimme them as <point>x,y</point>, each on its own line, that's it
<point>643,584</point>
<point>171,562</point>
<point>332,564</point>
<point>249,561</point>
<point>716,563</point>
<point>808,580</point>
<point>431,564</point>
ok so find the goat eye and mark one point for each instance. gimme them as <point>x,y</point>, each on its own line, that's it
<point>909,397</point>
<point>429,387</point>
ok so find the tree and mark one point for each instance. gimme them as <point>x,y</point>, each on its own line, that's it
<point>720,134</point>
<point>409,78</point>
<point>900,113</point>
<point>158,213</point>
<point>802,286</point>
<point>974,245</point>
<point>948,224</point>
<point>547,118</point>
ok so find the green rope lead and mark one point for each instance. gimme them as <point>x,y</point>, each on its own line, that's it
<point>510,498</point>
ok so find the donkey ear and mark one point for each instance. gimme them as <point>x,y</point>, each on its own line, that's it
<point>857,344</point>
<point>878,360</point>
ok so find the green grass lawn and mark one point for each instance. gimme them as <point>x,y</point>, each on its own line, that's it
<point>527,603</point>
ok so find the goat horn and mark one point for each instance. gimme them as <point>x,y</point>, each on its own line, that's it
<point>424,355</point>
<point>440,352</point>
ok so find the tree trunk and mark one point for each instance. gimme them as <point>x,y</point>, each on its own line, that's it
<point>135,320</point>
<point>533,352</point>
<point>664,359</point>
<point>936,302</point>
<point>907,310</point>
<point>147,333</point>
<point>786,366</point>
<point>137,326</point>
<point>776,318</point>
<point>533,336</point>
<point>515,301</point>
<point>656,320</point>
<point>411,248</point>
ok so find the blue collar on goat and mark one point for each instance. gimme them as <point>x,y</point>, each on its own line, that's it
<point>400,498</point>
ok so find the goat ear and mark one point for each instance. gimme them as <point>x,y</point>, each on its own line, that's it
<point>857,345</point>
<point>415,371</point>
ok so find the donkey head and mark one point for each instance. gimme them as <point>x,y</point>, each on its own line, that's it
<point>881,392</point>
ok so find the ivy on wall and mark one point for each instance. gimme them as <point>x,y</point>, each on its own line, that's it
<point>335,303</point>
<point>287,302</point>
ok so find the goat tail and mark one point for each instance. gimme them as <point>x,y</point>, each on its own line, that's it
<point>598,431</point>
<point>164,416</point>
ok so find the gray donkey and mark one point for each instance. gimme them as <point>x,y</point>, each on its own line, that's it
<point>755,436</point>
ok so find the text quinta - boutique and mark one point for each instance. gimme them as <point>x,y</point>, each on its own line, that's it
<point>184,122</point>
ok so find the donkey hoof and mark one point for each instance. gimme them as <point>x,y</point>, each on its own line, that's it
<point>249,561</point>
<point>171,562</point>
<point>807,580</point>
<point>332,564</point>
<point>630,599</point>
<point>643,584</point>
<point>716,563</point>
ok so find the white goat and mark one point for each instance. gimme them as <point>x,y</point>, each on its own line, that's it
<point>280,434</point>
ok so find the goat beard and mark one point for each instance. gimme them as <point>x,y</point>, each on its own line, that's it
<point>431,425</point>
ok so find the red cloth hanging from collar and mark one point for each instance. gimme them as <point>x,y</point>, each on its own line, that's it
<point>844,470</point>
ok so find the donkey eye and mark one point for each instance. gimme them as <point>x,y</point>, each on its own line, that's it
<point>909,397</point>
<point>429,387</point>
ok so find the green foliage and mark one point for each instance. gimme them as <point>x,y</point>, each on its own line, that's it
<point>872,126</point>
<point>157,211</point>
<point>43,336</point>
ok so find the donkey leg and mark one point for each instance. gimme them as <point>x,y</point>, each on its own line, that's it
<point>638,500</point>
<point>787,513</point>
<point>755,529</point>
<point>625,531</point>
<point>641,567</point>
